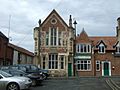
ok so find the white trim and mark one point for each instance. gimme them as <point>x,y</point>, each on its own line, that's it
<point>100,48</point>
<point>109,68</point>
<point>83,45</point>
<point>57,37</point>
<point>102,68</point>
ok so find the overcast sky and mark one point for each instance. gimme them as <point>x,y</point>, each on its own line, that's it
<point>98,17</point>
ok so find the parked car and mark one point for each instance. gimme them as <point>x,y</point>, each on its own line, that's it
<point>36,80</point>
<point>4,67</point>
<point>30,68</point>
<point>9,82</point>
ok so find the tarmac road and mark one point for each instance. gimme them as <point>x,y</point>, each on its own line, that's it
<point>88,83</point>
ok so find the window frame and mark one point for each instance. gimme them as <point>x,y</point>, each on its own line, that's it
<point>53,61</point>
<point>98,63</point>
<point>82,64</point>
<point>83,48</point>
<point>101,48</point>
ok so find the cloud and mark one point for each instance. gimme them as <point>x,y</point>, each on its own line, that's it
<point>98,17</point>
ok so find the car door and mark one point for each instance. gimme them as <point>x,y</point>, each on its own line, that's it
<point>2,83</point>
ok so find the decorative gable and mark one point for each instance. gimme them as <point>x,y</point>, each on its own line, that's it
<point>53,20</point>
<point>101,43</point>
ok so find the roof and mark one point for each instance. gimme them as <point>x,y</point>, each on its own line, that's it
<point>54,11</point>
<point>2,35</point>
<point>83,37</point>
<point>20,49</point>
<point>109,41</point>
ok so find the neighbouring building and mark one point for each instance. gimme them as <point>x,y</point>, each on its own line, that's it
<point>54,41</point>
<point>21,55</point>
<point>98,55</point>
<point>5,51</point>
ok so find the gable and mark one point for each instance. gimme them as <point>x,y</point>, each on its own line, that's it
<point>54,20</point>
<point>83,38</point>
<point>101,43</point>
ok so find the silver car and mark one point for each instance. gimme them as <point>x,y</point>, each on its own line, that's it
<point>9,82</point>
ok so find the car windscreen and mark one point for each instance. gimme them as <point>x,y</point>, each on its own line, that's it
<point>5,74</point>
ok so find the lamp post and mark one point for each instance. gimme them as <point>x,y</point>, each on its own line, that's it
<point>75,23</point>
<point>39,43</point>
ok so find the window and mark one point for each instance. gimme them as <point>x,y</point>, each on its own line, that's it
<point>47,38</point>
<point>84,65</point>
<point>61,62</point>
<point>71,46</point>
<point>53,61</point>
<point>101,48</point>
<point>117,49</point>
<point>43,62</point>
<point>97,65</point>
<point>53,36</point>
<point>59,39</point>
<point>83,48</point>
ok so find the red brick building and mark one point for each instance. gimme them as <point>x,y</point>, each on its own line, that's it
<point>11,54</point>
<point>99,55</point>
<point>55,45</point>
<point>5,51</point>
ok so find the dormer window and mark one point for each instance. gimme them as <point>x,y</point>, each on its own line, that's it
<point>101,48</point>
<point>117,49</point>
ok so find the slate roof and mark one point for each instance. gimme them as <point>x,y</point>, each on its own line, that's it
<point>20,49</point>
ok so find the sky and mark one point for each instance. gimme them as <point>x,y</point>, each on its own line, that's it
<point>19,17</point>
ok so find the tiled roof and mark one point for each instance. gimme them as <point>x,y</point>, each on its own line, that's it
<point>83,38</point>
<point>109,41</point>
<point>20,49</point>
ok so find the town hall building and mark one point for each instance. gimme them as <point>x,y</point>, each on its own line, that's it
<point>58,49</point>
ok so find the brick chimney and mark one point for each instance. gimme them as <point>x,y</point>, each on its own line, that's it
<point>70,21</point>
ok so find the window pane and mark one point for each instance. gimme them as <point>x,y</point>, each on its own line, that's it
<point>81,48</point>
<point>49,64</point>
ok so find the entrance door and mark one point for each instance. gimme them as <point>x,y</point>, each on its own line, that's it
<point>106,68</point>
<point>69,69</point>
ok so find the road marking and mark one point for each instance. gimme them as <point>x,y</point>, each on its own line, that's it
<point>112,84</point>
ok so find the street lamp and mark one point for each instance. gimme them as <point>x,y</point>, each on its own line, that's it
<point>75,23</point>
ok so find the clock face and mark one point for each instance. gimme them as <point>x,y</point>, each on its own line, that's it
<point>53,21</point>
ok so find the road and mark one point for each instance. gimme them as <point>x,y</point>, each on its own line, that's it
<point>97,83</point>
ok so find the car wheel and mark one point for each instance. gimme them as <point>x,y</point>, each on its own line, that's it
<point>13,86</point>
